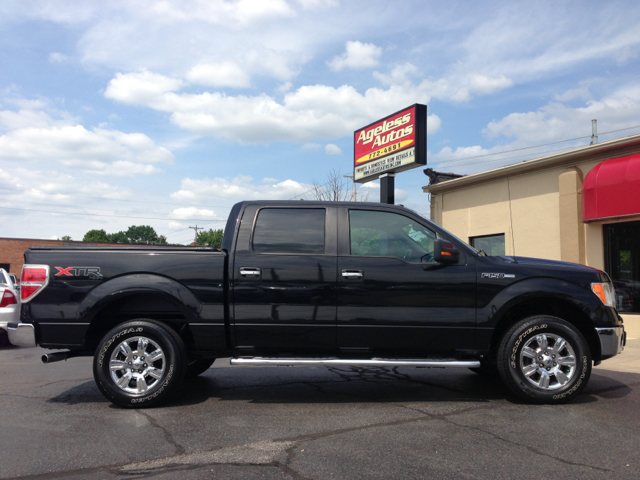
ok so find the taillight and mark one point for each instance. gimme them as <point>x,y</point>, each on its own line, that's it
<point>8,298</point>
<point>33,280</point>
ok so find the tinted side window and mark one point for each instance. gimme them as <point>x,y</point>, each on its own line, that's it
<point>289,230</point>
<point>390,235</point>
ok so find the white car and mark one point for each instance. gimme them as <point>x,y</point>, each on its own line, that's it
<point>9,301</point>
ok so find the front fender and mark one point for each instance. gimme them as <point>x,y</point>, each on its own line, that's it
<point>544,289</point>
<point>127,285</point>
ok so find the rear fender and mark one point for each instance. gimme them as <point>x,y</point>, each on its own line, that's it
<point>125,286</point>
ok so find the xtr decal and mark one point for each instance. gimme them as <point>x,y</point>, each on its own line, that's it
<point>91,272</point>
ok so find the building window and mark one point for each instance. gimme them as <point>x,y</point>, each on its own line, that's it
<point>289,230</point>
<point>489,244</point>
<point>622,263</point>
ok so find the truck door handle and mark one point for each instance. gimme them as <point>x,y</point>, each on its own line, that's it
<point>250,271</point>
<point>352,274</point>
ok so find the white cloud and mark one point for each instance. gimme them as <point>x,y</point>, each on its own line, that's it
<point>554,122</point>
<point>191,212</point>
<point>239,188</point>
<point>175,225</point>
<point>141,88</point>
<point>317,4</point>
<point>285,87</point>
<point>482,84</point>
<point>224,74</point>
<point>332,149</point>
<point>220,12</point>
<point>77,144</point>
<point>309,113</point>
<point>57,57</point>
<point>357,55</point>
<point>36,136</point>
<point>399,75</point>
<point>9,182</point>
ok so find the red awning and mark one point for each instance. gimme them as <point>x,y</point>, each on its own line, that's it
<point>612,189</point>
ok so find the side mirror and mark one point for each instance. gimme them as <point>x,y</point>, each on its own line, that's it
<point>445,252</point>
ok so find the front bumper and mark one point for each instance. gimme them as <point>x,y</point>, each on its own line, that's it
<point>22,334</point>
<point>612,341</point>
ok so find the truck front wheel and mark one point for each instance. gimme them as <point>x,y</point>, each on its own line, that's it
<point>544,359</point>
<point>139,363</point>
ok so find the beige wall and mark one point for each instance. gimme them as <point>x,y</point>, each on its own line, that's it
<point>528,202</point>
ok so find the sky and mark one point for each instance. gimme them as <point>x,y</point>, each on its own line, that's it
<point>166,113</point>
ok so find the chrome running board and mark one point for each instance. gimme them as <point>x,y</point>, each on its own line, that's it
<point>372,362</point>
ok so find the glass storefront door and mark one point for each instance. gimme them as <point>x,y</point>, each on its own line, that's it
<point>622,263</point>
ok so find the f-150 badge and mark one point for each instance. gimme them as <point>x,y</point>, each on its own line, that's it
<point>498,275</point>
<point>91,272</point>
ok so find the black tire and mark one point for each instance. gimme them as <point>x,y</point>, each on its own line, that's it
<point>535,360</point>
<point>198,367</point>
<point>140,381</point>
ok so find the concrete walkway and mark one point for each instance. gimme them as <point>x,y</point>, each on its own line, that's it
<point>628,361</point>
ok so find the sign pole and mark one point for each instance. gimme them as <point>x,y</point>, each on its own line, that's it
<point>387,188</point>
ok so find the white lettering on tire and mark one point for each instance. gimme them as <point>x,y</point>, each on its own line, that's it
<point>519,341</point>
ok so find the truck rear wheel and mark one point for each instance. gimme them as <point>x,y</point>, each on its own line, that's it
<point>544,359</point>
<point>139,363</point>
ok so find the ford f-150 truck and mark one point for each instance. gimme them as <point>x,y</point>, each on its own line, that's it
<point>317,283</point>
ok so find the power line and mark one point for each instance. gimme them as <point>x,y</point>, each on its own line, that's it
<point>75,206</point>
<point>6,190</point>
<point>117,216</point>
<point>535,146</point>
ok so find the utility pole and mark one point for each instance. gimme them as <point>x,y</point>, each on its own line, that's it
<point>354,185</point>
<point>594,132</point>
<point>196,228</point>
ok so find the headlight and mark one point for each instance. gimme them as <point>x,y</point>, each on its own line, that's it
<point>605,293</point>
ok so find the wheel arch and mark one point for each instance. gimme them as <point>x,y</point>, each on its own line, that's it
<point>547,305</point>
<point>161,299</point>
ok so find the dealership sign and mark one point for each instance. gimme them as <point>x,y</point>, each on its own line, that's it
<point>391,145</point>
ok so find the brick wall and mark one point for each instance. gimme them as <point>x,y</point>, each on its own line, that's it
<point>12,250</point>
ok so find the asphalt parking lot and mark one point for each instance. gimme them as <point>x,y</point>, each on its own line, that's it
<point>316,423</point>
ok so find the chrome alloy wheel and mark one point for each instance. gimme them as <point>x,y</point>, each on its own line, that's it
<point>137,365</point>
<point>548,361</point>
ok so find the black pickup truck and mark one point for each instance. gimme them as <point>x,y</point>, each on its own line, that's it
<point>318,283</point>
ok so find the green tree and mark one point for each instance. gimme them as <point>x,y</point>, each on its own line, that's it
<point>142,234</point>
<point>119,237</point>
<point>96,236</point>
<point>66,238</point>
<point>212,237</point>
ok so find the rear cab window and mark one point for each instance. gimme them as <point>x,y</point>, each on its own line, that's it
<point>290,231</point>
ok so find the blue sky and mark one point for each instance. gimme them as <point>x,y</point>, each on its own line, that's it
<point>166,113</point>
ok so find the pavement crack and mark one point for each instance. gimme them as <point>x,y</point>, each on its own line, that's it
<point>528,447</point>
<point>286,466</point>
<point>167,434</point>
<point>424,417</point>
